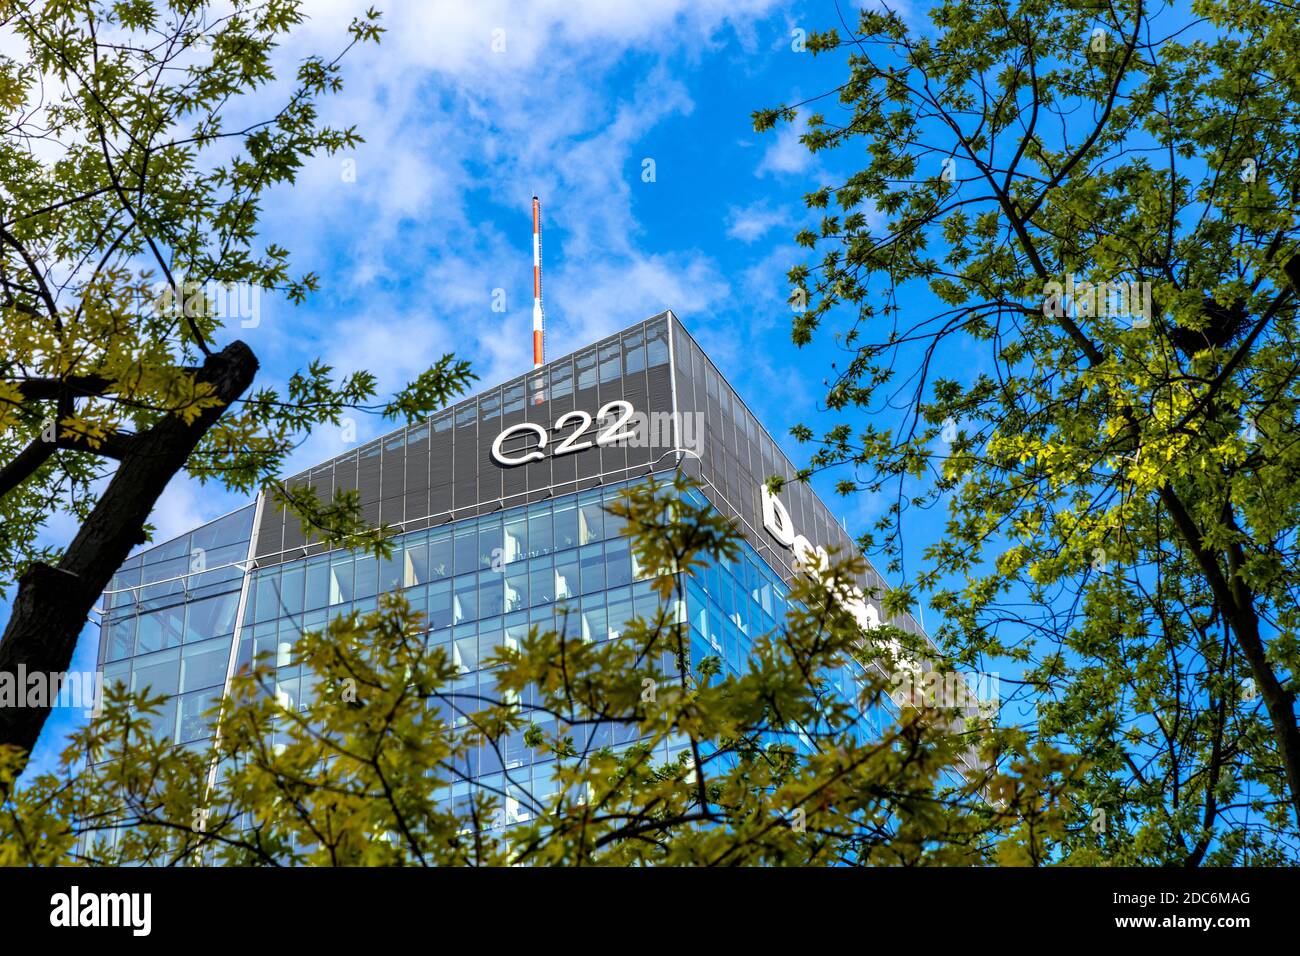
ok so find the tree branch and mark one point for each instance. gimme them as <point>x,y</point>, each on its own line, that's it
<point>52,603</point>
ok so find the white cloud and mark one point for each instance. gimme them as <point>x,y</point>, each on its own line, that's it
<point>785,155</point>
<point>407,271</point>
<point>763,287</point>
<point>185,504</point>
<point>617,293</point>
<point>407,267</point>
<point>490,39</point>
<point>447,121</point>
<point>751,223</point>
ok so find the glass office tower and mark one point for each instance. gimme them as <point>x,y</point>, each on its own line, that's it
<point>499,504</point>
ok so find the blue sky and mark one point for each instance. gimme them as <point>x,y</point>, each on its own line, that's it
<point>468,109</point>
<point>460,135</point>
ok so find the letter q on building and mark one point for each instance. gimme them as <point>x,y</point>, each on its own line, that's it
<point>498,452</point>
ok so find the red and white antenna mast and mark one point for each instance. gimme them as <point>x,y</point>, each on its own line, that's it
<point>539,324</point>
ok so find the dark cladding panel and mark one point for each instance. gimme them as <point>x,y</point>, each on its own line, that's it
<point>735,491</point>
<point>612,457</point>
<point>727,420</point>
<point>270,530</point>
<point>464,470</point>
<point>392,511</point>
<point>712,451</point>
<point>392,482</point>
<point>713,408</point>
<point>586,399</point>
<point>514,481</point>
<point>738,455</point>
<point>704,431</point>
<point>369,460</point>
<point>322,479</point>
<point>287,535</point>
<point>683,377</point>
<point>440,458</point>
<point>294,538</point>
<point>538,410</point>
<point>369,471</point>
<point>635,393</point>
<point>416,467</point>
<point>345,473</point>
<point>847,544</point>
<point>751,502</point>
<point>659,385</point>
<point>418,475</point>
<point>739,416</point>
<point>647,424</point>
<point>489,424</point>
<point>800,510</point>
<point>769,457</point>
<point>564,469</point>
<point>742,480</point>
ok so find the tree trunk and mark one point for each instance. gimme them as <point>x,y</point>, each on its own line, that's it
<point>53,604</point>
<point>1237,605</point>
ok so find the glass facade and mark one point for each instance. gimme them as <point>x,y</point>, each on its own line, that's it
<point>481,583</point>
<point>730,603</point>
<point>533,546</point>
<point>169,621</point>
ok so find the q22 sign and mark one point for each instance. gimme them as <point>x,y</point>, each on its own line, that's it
<point>614,417</point>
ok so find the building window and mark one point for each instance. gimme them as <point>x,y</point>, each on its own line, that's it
<point>593,568</point>
<point>610,364</point>
<point>591,522</point>
<point>440,555</point>
<point>539,531</point>
<point>415,565</point>
<point>633,352</point>
<point>541,582</point>
<point>514,545</point>
<point>585,363</point>
<point>561,380</point>
<point>204,665</point>
<point>566,576</point>
<point>465,599</point>
<point>159,673</point>
<point>121,638</point>
<point>160,629</point>
<point>657,343</point>
<point>491,592</point>
<point>367,578</point>
<point>618,563</point>
<point>566,525</point>
<point>440,609</point>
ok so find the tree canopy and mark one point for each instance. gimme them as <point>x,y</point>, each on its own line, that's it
<point>767,766</point>
<point>129,206</point>
<point>1065,245</point>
